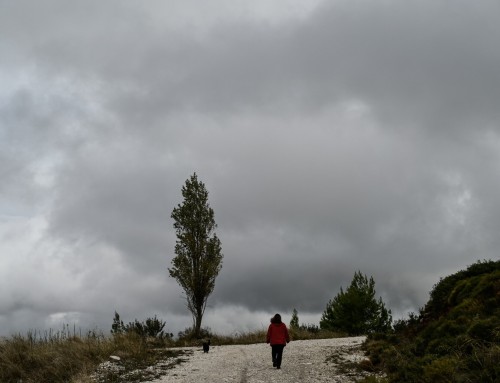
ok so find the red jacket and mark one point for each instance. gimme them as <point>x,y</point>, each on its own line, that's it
<point>277,333</point>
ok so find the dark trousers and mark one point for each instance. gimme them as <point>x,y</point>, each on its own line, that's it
<point>277,352</point>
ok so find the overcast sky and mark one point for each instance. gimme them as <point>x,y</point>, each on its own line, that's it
<point>332,136</point>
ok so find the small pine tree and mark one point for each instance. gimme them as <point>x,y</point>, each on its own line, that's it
<point>294,322</point>
<point>356,311</point>
<point>117,327</point>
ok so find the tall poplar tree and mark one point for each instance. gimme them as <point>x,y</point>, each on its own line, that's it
<point>198,258</point>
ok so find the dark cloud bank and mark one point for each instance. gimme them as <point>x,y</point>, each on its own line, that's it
<point>347,136</point>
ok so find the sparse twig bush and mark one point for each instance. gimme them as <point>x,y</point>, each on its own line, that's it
<point>150,328</point>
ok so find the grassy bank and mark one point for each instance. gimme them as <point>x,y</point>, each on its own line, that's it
<point>63,357</point>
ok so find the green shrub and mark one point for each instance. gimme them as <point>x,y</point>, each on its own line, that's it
<point>441,370</point>
<point>482,329</point>
<point>310,328</point>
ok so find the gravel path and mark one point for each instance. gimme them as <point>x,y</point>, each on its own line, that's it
<point>312,361</point>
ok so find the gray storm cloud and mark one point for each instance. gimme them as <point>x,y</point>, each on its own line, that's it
<point>332,138</point>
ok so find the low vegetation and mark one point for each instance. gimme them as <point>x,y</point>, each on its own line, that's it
<point>143,348</point>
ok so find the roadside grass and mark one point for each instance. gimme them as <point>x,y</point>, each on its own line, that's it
<point>251,337</point>
<point>310,332</point>
<point>65,356</point>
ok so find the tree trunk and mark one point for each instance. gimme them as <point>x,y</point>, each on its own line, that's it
<point>197,325</point>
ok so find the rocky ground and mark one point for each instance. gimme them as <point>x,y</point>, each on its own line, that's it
<point>312,361</point>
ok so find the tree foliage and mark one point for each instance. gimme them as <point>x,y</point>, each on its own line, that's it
<point>356,311</point>
<point>198,250</point>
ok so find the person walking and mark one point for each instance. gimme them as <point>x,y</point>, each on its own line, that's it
<point>277,337</point>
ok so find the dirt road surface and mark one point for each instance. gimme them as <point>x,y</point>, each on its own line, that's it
<point>310,361</point>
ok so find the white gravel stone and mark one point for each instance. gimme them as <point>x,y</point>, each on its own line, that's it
<point>303,361</point>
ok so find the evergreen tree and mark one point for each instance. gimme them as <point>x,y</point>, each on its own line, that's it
<point>117,327</point>
<point>198,258</point>
<point>294,322</point>
<point>356,311</point>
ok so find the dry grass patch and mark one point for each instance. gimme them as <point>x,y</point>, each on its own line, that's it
<point>58,357</point>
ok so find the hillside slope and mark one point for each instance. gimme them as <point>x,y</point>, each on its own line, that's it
<point>456,337</point>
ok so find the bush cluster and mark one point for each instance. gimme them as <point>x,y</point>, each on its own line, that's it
<point>150,328</point>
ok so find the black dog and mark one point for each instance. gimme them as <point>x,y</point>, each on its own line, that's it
<point>206,345</point>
